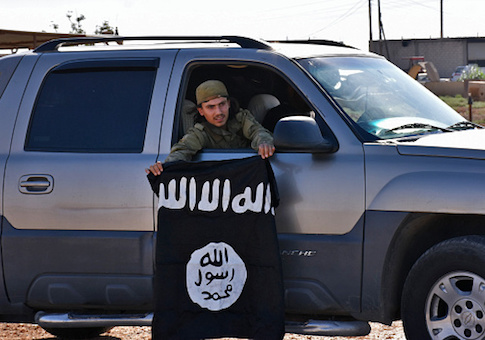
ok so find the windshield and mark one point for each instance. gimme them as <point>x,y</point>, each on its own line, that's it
<point>380,98</point>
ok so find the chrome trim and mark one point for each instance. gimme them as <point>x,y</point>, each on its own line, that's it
<point>329,328</point>
<point>310,327</point>
<point>71,320</point>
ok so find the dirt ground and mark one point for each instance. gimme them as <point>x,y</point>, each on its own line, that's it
<point>11,331</point>
<point>478,114</point>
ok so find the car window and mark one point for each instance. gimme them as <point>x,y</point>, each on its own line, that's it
<point>261,90</point>
<point>379,98</point>
<point>93,107</point>
<point>7,67</point>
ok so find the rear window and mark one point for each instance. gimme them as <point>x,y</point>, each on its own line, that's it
<point>93,107</point>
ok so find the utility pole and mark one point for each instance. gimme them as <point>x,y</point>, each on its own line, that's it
<point>370,21</point>
<point>381,31</point>
<point>441,16</point>
<point>379,19</point>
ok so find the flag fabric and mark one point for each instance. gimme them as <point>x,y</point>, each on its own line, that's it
<point>218,269</point>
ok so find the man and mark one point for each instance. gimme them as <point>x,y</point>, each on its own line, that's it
<point>221,129</point>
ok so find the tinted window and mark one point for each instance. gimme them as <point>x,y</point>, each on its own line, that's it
<point>94,109</point>
<point>7,67</point>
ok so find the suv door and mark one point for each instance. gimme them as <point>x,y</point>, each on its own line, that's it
<point>320,217</point>
<point>78,207</point>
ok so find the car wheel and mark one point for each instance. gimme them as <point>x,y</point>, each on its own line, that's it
<point>77,333</point>
<point>444,294</point>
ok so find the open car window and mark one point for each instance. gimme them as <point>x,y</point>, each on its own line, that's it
<point>261,90</point>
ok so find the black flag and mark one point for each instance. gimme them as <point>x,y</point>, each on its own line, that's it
<point>218,269</point>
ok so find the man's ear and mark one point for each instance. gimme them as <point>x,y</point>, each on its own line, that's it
<point>201,111</point>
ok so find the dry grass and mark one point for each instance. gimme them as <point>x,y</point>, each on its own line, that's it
<point>460,105</point>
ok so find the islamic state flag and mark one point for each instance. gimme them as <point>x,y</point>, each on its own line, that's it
<point>218,269</point>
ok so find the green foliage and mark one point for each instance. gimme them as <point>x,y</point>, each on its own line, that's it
<point>456,101</point>
<point>474,72</point>
<point>105,28</point>
<point>76,24</point>
<point>54,26</point>
<point>76,27</point>
<point>460,105</point>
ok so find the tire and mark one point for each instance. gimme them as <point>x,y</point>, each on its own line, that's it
<point>77,333</point>
<point>444,294</point>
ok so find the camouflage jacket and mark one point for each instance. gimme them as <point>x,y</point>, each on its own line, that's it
<point>242,131</point>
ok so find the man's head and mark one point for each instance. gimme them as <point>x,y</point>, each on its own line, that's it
<point>210,89</point>
<point>213,102</point>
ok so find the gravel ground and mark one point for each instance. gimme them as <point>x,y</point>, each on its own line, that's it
<point>11,331</point>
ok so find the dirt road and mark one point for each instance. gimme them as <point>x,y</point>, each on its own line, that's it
<point>11,331</point>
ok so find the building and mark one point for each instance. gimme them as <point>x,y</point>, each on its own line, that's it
<point>445,53</point>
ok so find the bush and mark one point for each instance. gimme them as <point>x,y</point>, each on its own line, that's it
<point>473,72</point>
<point>455,101</point>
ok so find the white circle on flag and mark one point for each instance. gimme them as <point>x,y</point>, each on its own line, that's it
<point>216,276</point>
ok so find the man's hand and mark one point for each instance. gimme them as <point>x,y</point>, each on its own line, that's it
<point>266,150</point>
<point>155,169</point>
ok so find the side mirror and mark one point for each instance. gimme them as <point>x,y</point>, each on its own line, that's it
<point>301,134</point>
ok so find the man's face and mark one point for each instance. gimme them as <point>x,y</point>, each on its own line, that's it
<point>216,111</point>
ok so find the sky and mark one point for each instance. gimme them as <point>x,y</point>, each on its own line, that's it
<point>345,21</point>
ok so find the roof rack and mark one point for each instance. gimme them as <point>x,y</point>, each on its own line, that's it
<point>244,42</point>
<point>313,41</point>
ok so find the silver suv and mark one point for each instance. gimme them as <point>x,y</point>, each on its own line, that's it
<point>382,185</point>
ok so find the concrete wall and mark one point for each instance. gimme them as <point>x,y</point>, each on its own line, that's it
<point>452,88</point>
<point>447,88</point>
<point>446,54</point>
<point>477,90</point>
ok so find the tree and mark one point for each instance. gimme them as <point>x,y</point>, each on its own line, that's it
<point>76,26</point>
<point>54,26</point>
<point>105,28</point>
<point>472,72</point>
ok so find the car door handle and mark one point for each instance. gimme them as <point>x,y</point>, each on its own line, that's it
<point>36,184</point>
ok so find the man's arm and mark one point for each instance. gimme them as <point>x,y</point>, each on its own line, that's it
<point>261,139</point>
<point>183,150</point>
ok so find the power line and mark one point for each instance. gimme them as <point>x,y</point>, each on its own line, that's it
<point>405,4</point>
<point>302,9</point>
<point>349,12</point>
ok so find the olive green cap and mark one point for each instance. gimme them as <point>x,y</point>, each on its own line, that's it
<point>209,90</point>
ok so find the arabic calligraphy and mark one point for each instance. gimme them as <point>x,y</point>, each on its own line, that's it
<point>179,194</point>
<point>206,259</point>
<point>216,295</point>
<point>216,276</point>
<point>211,277</point>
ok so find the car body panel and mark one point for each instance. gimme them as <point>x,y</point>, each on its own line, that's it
<point>428,179</point>
<point>47,263</point>
<point>462,140</point>
<point>118,176</point>
<point>91,193</point>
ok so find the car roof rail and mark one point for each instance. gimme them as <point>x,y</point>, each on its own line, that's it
<point>313,41</point>
<point>243,42</point>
